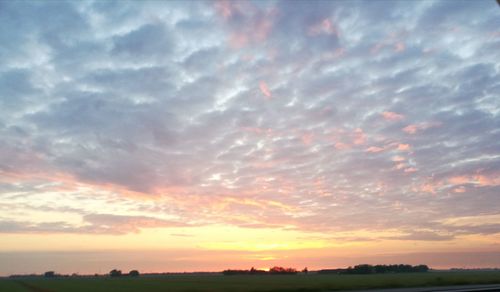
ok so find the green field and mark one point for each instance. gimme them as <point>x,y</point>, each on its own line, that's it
<point>311,282</point>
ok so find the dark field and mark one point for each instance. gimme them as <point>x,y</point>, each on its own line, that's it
<point>311,282</point>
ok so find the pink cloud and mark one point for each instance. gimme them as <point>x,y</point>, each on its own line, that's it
<point>410,170</point>
<point>430,187</point>
<point>376,48</point>
<point>265,90</point>
<point>399,47</point>
<point>359,137</point>
<point>374,149</point>
<point>346,138</point>
<point>400,165</point>
<point>262,29</point>
<point>238,40</point>
<point>260,131</point>
<point>247,24</point>
<point>224,8</point>
<point>337,53</point>
<point>390,147</point>
<point>394,40</point>
<point>411,129</point>
<point>392,116</point>
<point>342,146</point>
<point>323,27</point>
<point>307,138</point>
<point>414,128</point>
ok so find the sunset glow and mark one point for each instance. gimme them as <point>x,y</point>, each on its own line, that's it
<point>205,135</point>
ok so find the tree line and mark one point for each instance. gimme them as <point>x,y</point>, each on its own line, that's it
<point>377,269</point>
<point>358,269</point>
<point>273,271</point>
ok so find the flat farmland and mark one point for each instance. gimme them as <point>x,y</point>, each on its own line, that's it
<point>246,283</point>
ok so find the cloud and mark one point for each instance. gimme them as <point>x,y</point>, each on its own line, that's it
<point>93,224</point>
<point>323,27</point>
<point>392,116</point>
<point>374,149</point>
<point>412,129</point>
<point>399,47</point>
<point>151,40</point>
<point>423,236</point>
<point>265,90</point>
<point>149,110</point>
<point>404,147</point>
<point>109,223</point>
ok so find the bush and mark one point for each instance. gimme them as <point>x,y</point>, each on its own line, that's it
<point>49,274</point>
<point>281,270</point>
<point>115,273</point>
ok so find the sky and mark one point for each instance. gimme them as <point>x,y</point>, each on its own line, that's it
<point>205,135</point>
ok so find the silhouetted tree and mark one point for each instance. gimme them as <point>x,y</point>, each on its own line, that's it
<point>281,270</point>
<point>133,273</point>
<point>115,273</point>
<point>49,274</point>
<point>421,268</point>
<point>305,270</point>
<point>378,269</point>
<point>252,271</point>
<point>363,269</point>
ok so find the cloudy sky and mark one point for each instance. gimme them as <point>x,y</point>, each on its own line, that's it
<point>213,134</point>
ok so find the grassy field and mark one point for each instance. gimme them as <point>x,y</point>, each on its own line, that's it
<point>282,283</point>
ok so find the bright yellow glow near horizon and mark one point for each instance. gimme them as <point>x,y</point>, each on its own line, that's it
<point>230,238</point>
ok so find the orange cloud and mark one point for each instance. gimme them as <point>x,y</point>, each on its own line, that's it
<point>264,89</point>
<point>430,188</point>
<point>392,116</point>
<point>458,180</point>
<point>398,158</point>
<point>483,180</point>
<point>374,149</point>
<point>480,180</point>
<point>404,147</point>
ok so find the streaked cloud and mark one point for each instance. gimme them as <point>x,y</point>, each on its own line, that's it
<point>392,116</point>
<point>265,90</point>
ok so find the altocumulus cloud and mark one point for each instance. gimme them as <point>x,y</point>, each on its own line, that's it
<point>319,115</point>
